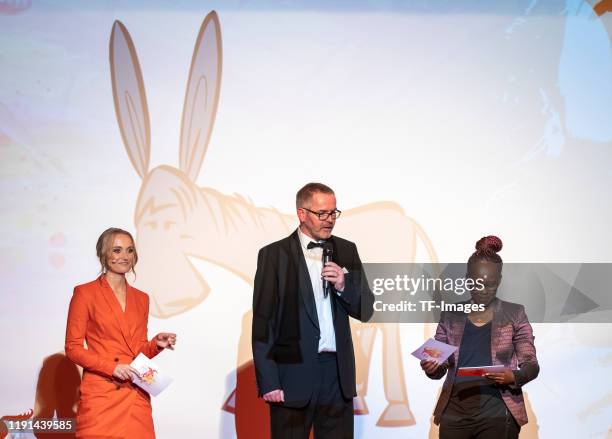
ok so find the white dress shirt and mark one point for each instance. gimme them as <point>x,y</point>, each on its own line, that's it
<point>314,263</point>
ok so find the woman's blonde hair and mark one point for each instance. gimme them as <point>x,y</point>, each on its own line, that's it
<point>105,242</point>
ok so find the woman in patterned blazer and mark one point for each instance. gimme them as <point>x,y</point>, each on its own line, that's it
<point>491,406</point>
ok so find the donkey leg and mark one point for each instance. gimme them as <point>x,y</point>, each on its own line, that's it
<point>363,340</point>
<point>397,413</point>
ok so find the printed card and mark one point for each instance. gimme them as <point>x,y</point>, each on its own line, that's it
<point>151,378</point>
<point>434,350</point>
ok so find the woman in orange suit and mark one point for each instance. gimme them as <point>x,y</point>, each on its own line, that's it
<point>111,316</point>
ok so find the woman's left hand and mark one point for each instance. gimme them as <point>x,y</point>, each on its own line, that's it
<point>506,377</point>
<point>165,340</point>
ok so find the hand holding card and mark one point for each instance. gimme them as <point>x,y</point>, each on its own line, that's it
<point>150,378</point>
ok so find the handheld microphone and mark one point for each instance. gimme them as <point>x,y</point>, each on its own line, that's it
<point>328,252</point>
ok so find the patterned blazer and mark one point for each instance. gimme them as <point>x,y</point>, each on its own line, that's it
<point>511,346</point>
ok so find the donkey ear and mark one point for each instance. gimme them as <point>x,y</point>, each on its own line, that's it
<point>130,99</point>
<point>202,97</point>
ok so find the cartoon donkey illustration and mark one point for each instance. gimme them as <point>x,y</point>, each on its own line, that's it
<point>173,214</point>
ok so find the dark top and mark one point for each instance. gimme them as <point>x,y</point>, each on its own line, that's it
<point>474,398</point>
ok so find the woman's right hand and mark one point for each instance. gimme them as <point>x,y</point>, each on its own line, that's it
<point>429,366</point>
<point>125,372</point>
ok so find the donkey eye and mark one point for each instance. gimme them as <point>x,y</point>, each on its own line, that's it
<point>168,224</point>
<point>151,224</point>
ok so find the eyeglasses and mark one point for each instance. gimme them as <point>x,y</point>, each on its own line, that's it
<point>324,215</point>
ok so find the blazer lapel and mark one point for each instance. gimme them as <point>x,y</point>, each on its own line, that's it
<point>115,308</point>
<point>133,319</point>
<point>304,284</point>
<point>495,325</point>
<point>457,328</point>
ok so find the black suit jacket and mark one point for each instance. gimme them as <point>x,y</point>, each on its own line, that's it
<point>285,323</point>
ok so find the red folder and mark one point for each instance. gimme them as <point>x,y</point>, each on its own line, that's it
<point>478,371</point>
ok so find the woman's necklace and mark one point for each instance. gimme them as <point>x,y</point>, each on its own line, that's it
<point>482,318</point>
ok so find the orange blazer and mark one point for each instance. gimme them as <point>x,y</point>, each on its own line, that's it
<point>109,407</point>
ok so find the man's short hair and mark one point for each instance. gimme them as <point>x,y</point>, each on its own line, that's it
<point>305,194</point>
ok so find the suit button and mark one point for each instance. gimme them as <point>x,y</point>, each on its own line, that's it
<point>117,386</point>
<point>116,359</point>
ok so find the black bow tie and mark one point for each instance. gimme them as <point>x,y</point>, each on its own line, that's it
<point>313,244</point>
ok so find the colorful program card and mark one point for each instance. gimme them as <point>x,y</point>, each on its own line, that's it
<point>151,379</point>
<point>434,350</point>
<point>479,371</point>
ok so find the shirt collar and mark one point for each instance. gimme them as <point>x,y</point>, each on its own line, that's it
<point>305,239</point>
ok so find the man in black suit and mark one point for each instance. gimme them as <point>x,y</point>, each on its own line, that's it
<point>302,346</point>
